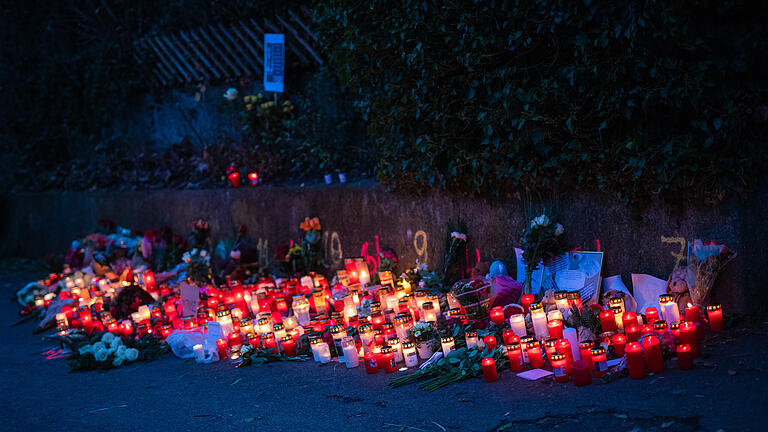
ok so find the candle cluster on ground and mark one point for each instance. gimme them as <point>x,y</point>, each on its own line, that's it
<point>387,327</point>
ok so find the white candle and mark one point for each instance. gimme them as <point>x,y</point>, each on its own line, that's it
<point>397,349</point>
<point>669,310</point>
<point>573,339</point>
<point>555,314</point>
<point>447,345</point>
<point>411,357</point>
<point>199,352</point>
<point>323,352</point>
<point>539,319</point>
<point>517,322</point>
<point>307,281</point>
<point>349,351</point>
<point>471,338</point>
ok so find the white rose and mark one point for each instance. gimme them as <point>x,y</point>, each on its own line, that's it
<point>118,361</point>
<point>115,343</point>
<point>120,352</point>
<point>131,354</point>
<point>99,346</point>
<point>559,230</point>
<point>107,338</point>
<point>85,349</point>
<point>101,355</point>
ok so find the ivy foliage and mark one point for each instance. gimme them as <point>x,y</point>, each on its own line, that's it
<point>641,99</point>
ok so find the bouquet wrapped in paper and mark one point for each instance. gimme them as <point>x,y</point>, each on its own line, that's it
<point>707,261</point>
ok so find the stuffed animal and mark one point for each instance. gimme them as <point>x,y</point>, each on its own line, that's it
<point>679,287</point>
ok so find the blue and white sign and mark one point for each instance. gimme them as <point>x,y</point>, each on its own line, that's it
<point>274,62</point>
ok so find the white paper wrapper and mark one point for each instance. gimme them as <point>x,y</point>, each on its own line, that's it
<point>647,291</point>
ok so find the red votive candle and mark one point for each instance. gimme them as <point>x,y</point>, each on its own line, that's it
<point>692,313</point>
<point>629,318</point>
<point>635,362</point>
<point>688,336</point>
<point>660,327</point>
<point>580,374</point>
<point>550,348</point>
<point>684,357</point>
<point>515,357</point>
<point>619,341</point>
<point>489,370</point>
<point>253,178</point>
<point>269,342</point>
<point>651,314</point>
<point>555,327</point>
<point>559,363</point>
<point>585,348</point>
<point>234,179</point>
<point>632,332</point>
<point>490,342</point>
<point>497,315</point>
<point>221,345</point>
<point>563,346</point>
<point>387,357</point>
<point>525,301</point>
<point>607,321</point>
<point>715,315</point>
<point>674,327</point>
<point>599,361</point>
<point>646,328</point>
<point>371,363</point>
<point>534,354</point>
<point>509,336</point>
<point>653,357</point>
<point>288,345</point>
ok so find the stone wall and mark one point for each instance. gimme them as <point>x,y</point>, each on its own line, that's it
<point>351,215</point>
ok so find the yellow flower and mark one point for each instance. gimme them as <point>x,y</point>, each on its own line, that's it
<point>249,107</point>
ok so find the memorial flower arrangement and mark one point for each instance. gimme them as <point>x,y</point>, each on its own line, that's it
<point>110,319</point>
<point>542,240</point>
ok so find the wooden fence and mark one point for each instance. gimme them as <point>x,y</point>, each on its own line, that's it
<point>220,51</point>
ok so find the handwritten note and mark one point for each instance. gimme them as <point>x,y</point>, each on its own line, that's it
<point>190,295</point>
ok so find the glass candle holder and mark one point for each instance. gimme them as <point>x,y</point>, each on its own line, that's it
<point>515,357</point>
<point>559,367</point>
<point>599,361</point>
<point>410,355</point>
<point>471,339</point>
<point>715,316</point>
<point>349,351</point>
<point>428,313</point>
<point>617,302</point>
<point>447,344</point>
<point>517,322</point>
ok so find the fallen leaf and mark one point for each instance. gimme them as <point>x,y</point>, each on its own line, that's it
<point>731,372</point>
<point>621,416</point>
<point>236,381</point>
<point>667,424</point>
<point>250,419</point>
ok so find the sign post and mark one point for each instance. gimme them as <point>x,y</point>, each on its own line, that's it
<point>274,62</point>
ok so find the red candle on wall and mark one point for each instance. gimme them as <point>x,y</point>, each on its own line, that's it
<point>715,315</point>
<point>653,358</point>
<point>515,357</point>
<point>619,341</point>
<point>607,321</point>
<point>632,332</point>
<point>559,368</point>
<point>534,355</point>
<point>688,336</point>
<point>555,328</point>
<point>490,342</point>
<point>651,314</point>
<point>684,357</point>
<point>525,301</point>
<point>234,179</point>
<point>635,362</point>
<point>253,178</point>
<point>489,370</point>
<point>497,315</point>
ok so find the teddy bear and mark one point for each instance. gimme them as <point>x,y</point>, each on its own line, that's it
<point>678,286</point>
